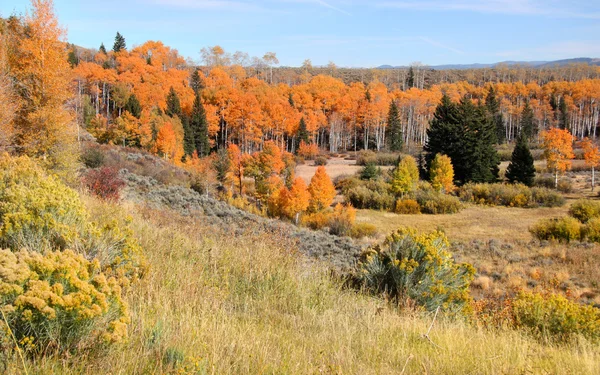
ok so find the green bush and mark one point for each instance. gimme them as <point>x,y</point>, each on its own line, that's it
<point>417,267</point>
<point>591,230</point>
<point>369,172</point>
<point>320,160</point>
<point>37,211</point>
<point>585,209</point>
<point>564,186</point>
<point>510,195</point>
<point>407,207</point>
<point>371,196</point>
<point>367,157</point>
<point>92,157</point>
<point>564,229</point>
<point>555,317</point>
<point>60,301</point>
<point>433,202</point>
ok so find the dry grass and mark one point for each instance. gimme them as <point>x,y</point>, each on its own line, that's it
<point>335,167</point>
<point>474,222</point>
<point>246,304</point>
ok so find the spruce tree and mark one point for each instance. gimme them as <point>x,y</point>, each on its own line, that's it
<point>102,49</point>
<point>444,135</point>
<point>291,100</point>
<point>303,132</point>
<point>521,168</point>
<point>199,127</point>
<point>528,127</point>
<point>133,106</point>
<point>563,114</point>
<point>493,106</point>
<point>410,80</point>
<point>196,82</point>
<point>119,43</point>
<point>189,144</point>
<point>173,104</point>
<point>394,128</point>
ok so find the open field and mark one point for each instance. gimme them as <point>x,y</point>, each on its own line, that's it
<point>335,167</point>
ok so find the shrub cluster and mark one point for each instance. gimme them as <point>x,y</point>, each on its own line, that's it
<point>418,267</point>
<point>433,202</point>
<point>104,183</point>
<point>370,194</point>
<point>407,207</point>
<point>367,157</point>
<point>320,160</point>
<point>582,224</point>
<point>584,210</point>
<point>60,301</point>
<point>92,157</point>
<point>516,195</point>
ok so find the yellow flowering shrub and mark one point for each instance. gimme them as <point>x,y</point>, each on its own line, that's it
<point>37,211</point>
<point>60,301</point>
<point>408,265</point>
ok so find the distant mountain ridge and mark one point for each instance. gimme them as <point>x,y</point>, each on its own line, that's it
<point>536,64</point>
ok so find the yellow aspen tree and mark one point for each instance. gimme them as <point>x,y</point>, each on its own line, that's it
<point>405,176</point>
<point>45,128</point>
<point>441,174</point>
<point>558,150</point>
<point>321,190</point>
<point>297,200</point>
<point>591,155</point>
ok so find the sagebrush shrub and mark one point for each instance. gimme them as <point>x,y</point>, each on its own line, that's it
<point>554,317</point>
<point>37,211</point>
<point>104,183</point>
<point>584,210</point>
<point>60,301</point>
<point>591,230</point>
<point>341,220</point>
<point>92,157</point>
<point>510,195</point>
<point>361,230</point>
<point>320,160</point>
<point>370,196</point>
<point>564,229</point>
<point>415,266</point>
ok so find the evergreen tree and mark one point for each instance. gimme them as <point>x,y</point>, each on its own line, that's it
<point>196,82</point>
<point>528,127</point>
<point>102,49</point>
<point>444,135</point>
<point>394,128</point>
<point>563,115</point>
<point>521,167</point>
<point>133,106</point>
<point>291,100</point>
<point>410,80</point>
<point>173,104</point>
<point>199,127</point>
<point>493,106</point>
<point>189,144</point>
<point>302,133</point>
<point>119,43</point>
<point>72,57</point>
<point>369,172</point>
<point>222,165</point>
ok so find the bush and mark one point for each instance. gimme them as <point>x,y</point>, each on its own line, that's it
<point>341,220</point>
<point>585,209</point>
<point>308,151</point>
<point>555,317</point>
<point>417,267</point>
<point>407,207</point>
<point>363,197</point>
<point>361,230</point>
<point>60,301</point>
<point>545,182</point>
<point>517,195</point>
<point>432,202</point>
<point>369,172</point>
<point>37,211</point>
<point>104,183</point>
<point>565,186</point>
<point>366,157</point>
<point>320,160</point>
<point>591,230</point>
<point>92,157</point>
<point>564,229</point>
<point>316,221</point>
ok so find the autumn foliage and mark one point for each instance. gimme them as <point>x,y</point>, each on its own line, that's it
<point>321,189</point>
<point>558,150</point>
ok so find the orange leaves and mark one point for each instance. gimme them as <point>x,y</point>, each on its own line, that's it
<point>558,149</point>
<point>321,190</point>
<point>308,151</point>
<point>591,154</point>
<point>295,200</point>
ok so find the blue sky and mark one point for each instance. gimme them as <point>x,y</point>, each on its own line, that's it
<point>347,32</point>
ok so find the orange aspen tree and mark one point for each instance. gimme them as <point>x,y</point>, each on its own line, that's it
<point>591,155</point>
<point>558,150</point>
<point>296,201</point>
<point>166,143</point>
<point>321,190</point>
<point>236,167</point>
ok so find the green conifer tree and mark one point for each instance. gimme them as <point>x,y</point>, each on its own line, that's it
<point>493,106</point>
<point>563,114</point>
<point>394,128</point>
<point>528,126</point>
<point>302,133</point>
<point>173,104</point>
<point>133,106</point>
<point>119,43</point>
<point>521,168</point>
<point>196,82</point>
<point>199,127</point>
<point>102,49</point>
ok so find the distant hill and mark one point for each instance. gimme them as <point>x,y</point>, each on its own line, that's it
<point>537,64</point>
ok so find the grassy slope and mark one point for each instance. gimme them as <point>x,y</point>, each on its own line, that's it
<point>249,305</point>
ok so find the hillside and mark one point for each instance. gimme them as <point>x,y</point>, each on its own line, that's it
<point>534,64</point>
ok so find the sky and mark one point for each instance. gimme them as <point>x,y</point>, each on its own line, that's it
<point>350,33</point>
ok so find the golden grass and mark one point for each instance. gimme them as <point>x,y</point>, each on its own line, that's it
<point>218,303</point>
<point>474,222</point>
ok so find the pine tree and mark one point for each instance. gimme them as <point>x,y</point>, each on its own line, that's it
<point>173,104</point>
<point>445,134</point>
<point>563,115</point>
<point>302,133</point>
<point>199,127</point>
<point>72,57</point>
<point>222,165</point>
<point>291,100</point>
<point>189,144</point>
<point>528,127</point>
<point>119,43</point>
<point>394,128</point>
<point>410,80</point>
<point>133,106</point>
<point>521,167</point>
<point>102,49</point>
<point>493,106</point>
<point>196,82</point>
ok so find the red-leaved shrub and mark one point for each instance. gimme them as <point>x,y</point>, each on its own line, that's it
<point>104,183</point>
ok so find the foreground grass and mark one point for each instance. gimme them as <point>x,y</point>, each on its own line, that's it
<point>218,303</point>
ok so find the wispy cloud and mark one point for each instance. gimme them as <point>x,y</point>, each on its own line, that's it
<point>230,5</point>
<point>549,8</point>
<point>320,3</point>
<point>440,45</point>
